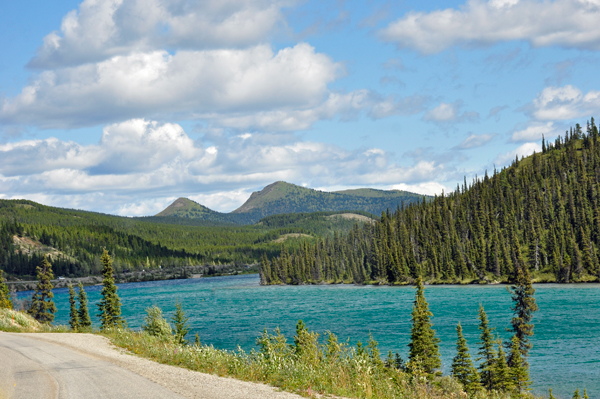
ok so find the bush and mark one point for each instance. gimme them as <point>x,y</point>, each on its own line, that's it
<point>156,325</point>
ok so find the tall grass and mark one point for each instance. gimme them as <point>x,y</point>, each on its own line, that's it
<point>16,321</point>
<point>307,366</point>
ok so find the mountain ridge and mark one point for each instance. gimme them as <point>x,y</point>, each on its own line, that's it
<point>281,198</point>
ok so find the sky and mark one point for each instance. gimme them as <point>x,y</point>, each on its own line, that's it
<point>122,106</point>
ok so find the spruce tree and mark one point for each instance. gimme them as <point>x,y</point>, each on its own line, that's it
<point>519,369</point>
<point>110,304</point>
<point>73,314</point>
<point>462,366</point>
<point>42,305</point>
<point>576,394</point>
<point>180,322</point>
<point>5,299</point>
<point>83,312</point>
<point>487,354</point>
<point>585,395</point>
<point>424,345</point>
<point>501,371</point>
<point>524,307</point>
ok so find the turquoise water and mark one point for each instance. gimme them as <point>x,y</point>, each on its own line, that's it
<point>231,311</point>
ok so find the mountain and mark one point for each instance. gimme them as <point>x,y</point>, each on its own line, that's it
<point>283,198</point>
<point>542,213</point>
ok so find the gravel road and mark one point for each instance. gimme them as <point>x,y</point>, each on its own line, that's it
<point>89,366</point>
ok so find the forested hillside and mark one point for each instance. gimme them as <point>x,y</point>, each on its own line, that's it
<point>285,198</point>
<point>542,212</point>
<point>281,198</point>
<point>75,239</point>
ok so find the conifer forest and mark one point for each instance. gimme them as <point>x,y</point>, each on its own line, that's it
<point>542,212</point>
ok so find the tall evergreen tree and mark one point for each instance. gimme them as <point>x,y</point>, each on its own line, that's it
<point>576,394</point>
<point>462,366</point>
<point>42,304</point>
<point>523,308</point>
<point>83,312</point>
<point>110,304</point>
<point>5,299</point>
<point>501,372</point>
<point>180,322</point>
<point>73,313</point>
<point>519,369</point>
<point>424,345</point>
<point>487,354</point>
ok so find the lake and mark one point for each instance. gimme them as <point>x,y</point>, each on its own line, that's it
<point>231,311</point>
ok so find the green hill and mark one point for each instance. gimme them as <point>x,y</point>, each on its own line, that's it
<point>281,197</point>
<point>285,198</point>
<point>74,239</point>
<point>541,213</point>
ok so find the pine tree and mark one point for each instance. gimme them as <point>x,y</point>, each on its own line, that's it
<point>42,305</point>
<point>487,354</point>
<point>83,312</point>
<point>197,340</point>
<point>576,394</point>
<point>462,366</point>
<point>585,395</point>
<point>501,371</point>
<point>519,369</point>
<point>424,345</point>
<point>180,322</point>
<point>524,307</point>
<point>550,396</point>
<point>73,314</point>
<point>110,304</point>
<point>5,299</point>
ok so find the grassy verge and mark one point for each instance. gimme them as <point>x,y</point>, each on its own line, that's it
<point>15,321</point>
<point>306,367</point>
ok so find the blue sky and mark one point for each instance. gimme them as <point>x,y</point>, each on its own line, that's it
<point>121,106</point>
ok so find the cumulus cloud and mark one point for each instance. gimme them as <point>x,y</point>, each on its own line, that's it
<point>535,132</point>
<point>157,162</point>
<point>100,30</point>
<point>564,23</point>
<point>521,151</point>
<point>427,188</point>
<point>450,113</point>
<point>475,141</point>
<point>562,103</point>
<point>192,84</point>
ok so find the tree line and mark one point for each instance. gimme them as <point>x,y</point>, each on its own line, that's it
<point>542,213</point>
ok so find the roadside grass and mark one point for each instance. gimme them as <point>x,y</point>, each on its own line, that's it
<point>306,367</point>
<point>16,321</point>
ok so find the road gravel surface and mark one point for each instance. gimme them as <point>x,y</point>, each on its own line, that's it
<point>77,366</point>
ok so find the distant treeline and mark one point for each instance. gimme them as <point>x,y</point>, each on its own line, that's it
<point>79,237</point>
<point>542,212</point>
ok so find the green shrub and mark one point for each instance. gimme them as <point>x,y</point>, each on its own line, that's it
<point>156,325</point>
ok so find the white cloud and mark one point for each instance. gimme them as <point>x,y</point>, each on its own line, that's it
<point>102,29</point>
<point>567,102</point>
<point>475,141</point>
<point>138,166</point>
<point>191,84</point>
<point>427,188</point>
<point>449,113</point>
<point>564,23</point>
<point>535,132</point>
<point>521,151</point>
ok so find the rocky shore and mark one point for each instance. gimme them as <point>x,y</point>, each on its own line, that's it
<point>144,275</point>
